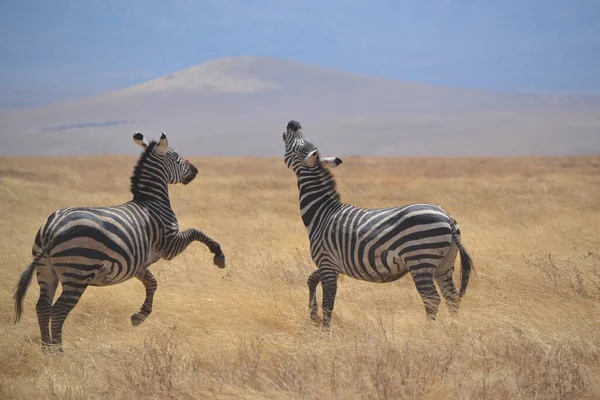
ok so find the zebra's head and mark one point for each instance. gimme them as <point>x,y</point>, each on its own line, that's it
<point>163,158</point>
<point>302,153</point>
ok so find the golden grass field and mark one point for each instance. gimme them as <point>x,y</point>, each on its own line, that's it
<point>529,325</point>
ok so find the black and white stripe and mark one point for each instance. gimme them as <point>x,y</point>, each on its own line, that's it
<point>100,246</point>
<point>373,245</point>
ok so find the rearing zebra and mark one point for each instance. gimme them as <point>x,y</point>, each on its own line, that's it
<point>100,246</point>
<point>374,245</point>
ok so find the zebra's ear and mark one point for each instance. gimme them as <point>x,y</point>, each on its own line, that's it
<point>331,162</point>
<point>140,140</point>
<point>163,144</point>
<point>311,159</point>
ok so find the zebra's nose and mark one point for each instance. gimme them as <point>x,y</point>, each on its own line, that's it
<point>190,175</point>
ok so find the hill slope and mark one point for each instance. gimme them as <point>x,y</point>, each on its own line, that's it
<point>239,106</point>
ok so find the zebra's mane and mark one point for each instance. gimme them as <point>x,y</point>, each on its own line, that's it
<point>139,167</point>
<point>327,176</point>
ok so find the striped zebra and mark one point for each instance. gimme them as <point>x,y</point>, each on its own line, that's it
<point>101,246</point>
<point>373,245</point>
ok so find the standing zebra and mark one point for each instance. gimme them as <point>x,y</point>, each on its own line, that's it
<point>101,246</point>
<point>374,245</point>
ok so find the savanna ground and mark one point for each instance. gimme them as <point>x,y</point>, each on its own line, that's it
<point>529,325</point>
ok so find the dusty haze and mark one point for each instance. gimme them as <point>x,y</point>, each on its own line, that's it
<point>239,106</point>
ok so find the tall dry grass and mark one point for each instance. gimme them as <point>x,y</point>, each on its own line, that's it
<point>529,326</point>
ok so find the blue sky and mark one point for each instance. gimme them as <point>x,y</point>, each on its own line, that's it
<point>57,49</point>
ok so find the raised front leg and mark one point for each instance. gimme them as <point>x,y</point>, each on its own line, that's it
<point>180,241</point>
<point>150,284</point>
<point>313,281</point>
<point>329,285</point>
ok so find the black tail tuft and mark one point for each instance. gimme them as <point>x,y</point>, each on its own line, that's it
<point>466,266</point>
<point>466,263</point>
<point>23,285</point>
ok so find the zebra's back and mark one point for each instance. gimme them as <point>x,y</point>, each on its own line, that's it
<point>379,245</point>
<point>98,245</point>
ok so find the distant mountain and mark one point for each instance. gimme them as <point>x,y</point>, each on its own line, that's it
<point>240,106</point>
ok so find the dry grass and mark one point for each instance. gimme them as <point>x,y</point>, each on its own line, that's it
<point>529,325</point>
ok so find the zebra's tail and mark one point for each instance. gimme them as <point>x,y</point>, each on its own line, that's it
<point>23,284</point>
<point>466,263</point>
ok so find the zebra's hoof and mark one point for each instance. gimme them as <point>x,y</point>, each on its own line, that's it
<point>219,260</point>
<point>49,348</point>
<point>137,319</point>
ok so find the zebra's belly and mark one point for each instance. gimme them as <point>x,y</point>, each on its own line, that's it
<point>109,277</point>
<point>93,272</point>
<point>110,274</point>
<point>389,266</point>
<point>386,266</point>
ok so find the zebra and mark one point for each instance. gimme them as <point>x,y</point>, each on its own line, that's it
<point>371,244</point>
<point>101,246</point>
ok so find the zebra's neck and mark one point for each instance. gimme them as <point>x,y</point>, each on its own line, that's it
<point>149,179</point>
<point>318,194</point>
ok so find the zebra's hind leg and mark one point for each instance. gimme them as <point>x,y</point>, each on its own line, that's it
<point>150,284</point>
<point>423,277</point>
<point>313,281</point>
<point>48,282</point>
<point>68,299</point>
<point>443,277</point>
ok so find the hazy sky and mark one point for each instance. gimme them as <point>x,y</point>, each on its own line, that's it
<point>62,48</point>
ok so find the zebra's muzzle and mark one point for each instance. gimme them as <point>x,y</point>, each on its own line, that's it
<point>190,176</point>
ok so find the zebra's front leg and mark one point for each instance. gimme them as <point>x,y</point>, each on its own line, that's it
<point>215,248</point>
<point>329,285</point>
<point>150,284</point>
<point>313,281</point>
<point>180,241</point>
